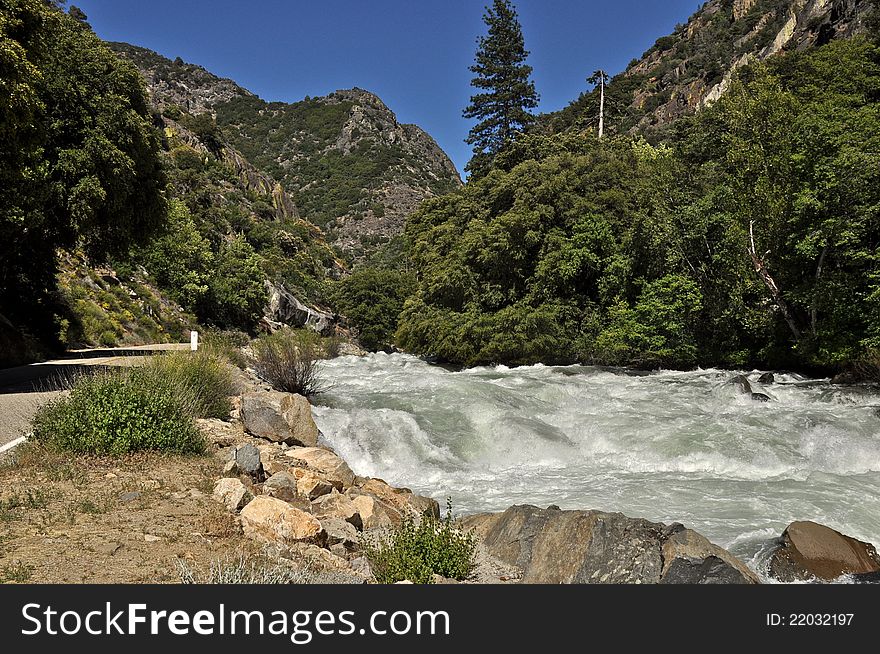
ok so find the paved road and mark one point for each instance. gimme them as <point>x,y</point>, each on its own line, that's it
<point>25,388</point>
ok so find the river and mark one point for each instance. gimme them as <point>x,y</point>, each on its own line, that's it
<point>668,446</point>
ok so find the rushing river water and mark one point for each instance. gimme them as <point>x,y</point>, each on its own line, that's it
<point>669,446</point>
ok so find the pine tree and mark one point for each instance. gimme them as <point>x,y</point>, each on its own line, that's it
<point>507,92</point>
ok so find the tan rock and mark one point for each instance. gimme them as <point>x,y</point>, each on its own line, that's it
<point>402,499</point>
<point>336,505</point>
<point>374,513</point>
<point>325,463</point>
<point>812,551</point>
<point>232,494</point>
<point>310,485</point>
<point>279,417</point>
<point>283,486</point>
<point>271,520</point>
<point>219,433</point>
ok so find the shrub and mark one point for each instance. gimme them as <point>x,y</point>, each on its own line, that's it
<point>119,412</point>
<point>415,552</point>
<point>241,570</point>
<point>289,361</point>
<point>227,345</point>
<point>202,380</point>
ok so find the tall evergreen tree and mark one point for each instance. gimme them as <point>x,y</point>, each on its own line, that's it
<point>507,91</point>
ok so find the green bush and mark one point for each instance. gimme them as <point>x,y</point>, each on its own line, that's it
<point>372,300</point>
<point>202,380</point>
<point>415,552</point>
<point>119,412</point>
<point>226,344</point>
<point>289,360</point>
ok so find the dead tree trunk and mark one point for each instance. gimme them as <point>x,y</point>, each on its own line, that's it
<point>770,283</point>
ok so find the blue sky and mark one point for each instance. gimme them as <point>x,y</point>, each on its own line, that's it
<point>414,54</point>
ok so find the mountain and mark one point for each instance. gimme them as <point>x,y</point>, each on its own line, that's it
<point>692,67</point>
<point>346,162</point>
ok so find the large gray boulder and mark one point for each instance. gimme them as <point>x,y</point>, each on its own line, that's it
<point>284,308</point>
<point>551,546</point>
<point>808,551</point>
<point>279,417</point>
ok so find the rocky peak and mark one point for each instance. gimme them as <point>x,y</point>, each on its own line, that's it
<point>177,83</point>
<point>692,67</point>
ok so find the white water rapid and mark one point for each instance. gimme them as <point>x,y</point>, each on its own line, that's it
<point>669,446</point>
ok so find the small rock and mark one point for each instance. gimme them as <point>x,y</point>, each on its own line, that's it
<point>232,494</point>
<point>219,433</point>
<point>341,532</point>
<point>325,463</point>
<point>152,539</point>
<point>230,469</point>
<point>312,486</point>
<point>108,549</point>
<point>741,383</point>
<point>247,458</point>
<point>281,485</point>
<point>760,397</point>
<point>336,505</point>
<point>131,496</point>
<point>274,521</point>
<point>151,484</point>
<point>110,475</point>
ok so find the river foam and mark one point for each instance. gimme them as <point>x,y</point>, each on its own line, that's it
<point>669,446</point>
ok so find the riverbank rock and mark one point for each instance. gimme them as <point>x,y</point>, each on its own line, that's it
<point>336,505</point>
<point>328,466</point>
<point>283,486</point>
<point>810,551</point>
<point>232,494</point>
<point>274,521</point>
<point>219,433</point>
<point>591,547</point>
<point>279,417</point>
<point>403,500</point>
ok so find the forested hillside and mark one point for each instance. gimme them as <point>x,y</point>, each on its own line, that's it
<point>748,237</point>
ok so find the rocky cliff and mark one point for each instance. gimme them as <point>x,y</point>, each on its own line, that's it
<point>693,66</point>
<point>343,161</point>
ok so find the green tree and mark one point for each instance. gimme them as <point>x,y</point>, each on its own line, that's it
<point>372,300</point>
<point>506,90</point>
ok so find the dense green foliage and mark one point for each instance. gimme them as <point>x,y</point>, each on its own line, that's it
<point>507,93</point>
<point>371,299</point>
<point>751,238</point>
<point>79,163</point>
<point>416,551</point>
<point>119,412</point>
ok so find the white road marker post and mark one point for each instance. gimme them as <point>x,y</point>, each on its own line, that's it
<point>193,341</point>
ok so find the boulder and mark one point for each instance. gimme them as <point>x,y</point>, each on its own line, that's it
<point>276,522</point>
<point>340,506</point>
<point>760,397</point>
<point>742,385</point>
<point>689,558</point>
<point>232,494</point>
<point>325,463</point>
<point>592,547</point>
<point>284,308</point>
<point>810,551</point>
<point>402,499</point>
<point>247,462</point>
<point>767,378</point>
<point>279,417</point>
<point>283,486</point>
<point>374,513</point>
<point>341,532</point>
<point>312,486</point>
